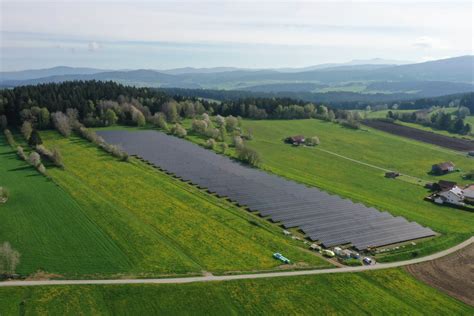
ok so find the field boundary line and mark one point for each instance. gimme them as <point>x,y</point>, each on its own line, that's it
<point>212,278</point>
<point>365,163</point>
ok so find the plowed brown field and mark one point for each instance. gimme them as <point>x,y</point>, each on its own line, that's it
<point>453,274</point>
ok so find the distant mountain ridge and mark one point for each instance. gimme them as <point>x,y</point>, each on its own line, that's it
<point>47,72</point>
<point>427,79</point>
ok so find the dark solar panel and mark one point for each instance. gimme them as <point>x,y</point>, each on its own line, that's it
<point>327,218</point>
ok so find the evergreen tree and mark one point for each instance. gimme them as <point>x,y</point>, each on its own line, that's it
<point>35,139</point>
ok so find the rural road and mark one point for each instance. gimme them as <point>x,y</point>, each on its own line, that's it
<point>210,278</point>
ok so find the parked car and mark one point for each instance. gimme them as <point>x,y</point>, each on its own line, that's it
<point>328,253</point>
<point>282,258</point>
<point>368,261</point>
<point>345,253</point>
<point>355,255</point>
<point>315,247</point>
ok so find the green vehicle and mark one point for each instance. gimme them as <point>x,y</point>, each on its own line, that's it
<point>282,258</point>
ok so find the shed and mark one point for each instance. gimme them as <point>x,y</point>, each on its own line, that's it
<point>442,168</point>
<point>468,192</point>
<point>443,185</point>
<point>295,140</point>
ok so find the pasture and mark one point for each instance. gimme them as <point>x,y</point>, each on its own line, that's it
<point>382,292</point>
<point>163,226</point>
<point>49,229</point>
<point>344,164</point>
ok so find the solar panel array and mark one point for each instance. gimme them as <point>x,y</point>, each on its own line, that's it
<point>323,217</point>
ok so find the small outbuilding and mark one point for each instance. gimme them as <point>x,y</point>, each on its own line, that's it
<point>468,192</point>
<point>295,140</point>
<point>443,185</point>
<point>443,168</point>
<point>392,175</point>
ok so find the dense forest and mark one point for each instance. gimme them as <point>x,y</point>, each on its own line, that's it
<point>335,100</point>
<point>97,103</point>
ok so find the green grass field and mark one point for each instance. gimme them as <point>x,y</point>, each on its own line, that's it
<point>377,293</point>
<point>162,225</point>
<point>383,113</point>
<point>362,183</point>
<point>322,167</point>
<point>49,229</point>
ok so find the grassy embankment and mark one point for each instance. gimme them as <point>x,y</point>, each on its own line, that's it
<point>382,292</point>
<point>107,218</point>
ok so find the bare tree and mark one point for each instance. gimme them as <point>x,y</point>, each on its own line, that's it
<point>62,123</point>
<point>138,117</point>
<point>4,194</point>
<point>159,120</point>
<point>178,130</point>
<point>312,141</point>
<point>237,141</point>
<point>57,158</point>
<point>26,129</point>
<point>34,159</point>
<point>231,123</point>
<point>21,153</point>
<point>248,156</point>
<point>199,126</point>
<point>210,143</point>
<point>220,121</point>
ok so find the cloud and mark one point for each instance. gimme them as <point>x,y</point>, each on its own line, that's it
<point>94,46</point>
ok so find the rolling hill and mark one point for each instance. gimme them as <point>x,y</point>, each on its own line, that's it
<point>428,79</point>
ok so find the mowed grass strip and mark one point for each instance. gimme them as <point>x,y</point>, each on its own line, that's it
<point>48,228</point>
<point>165,226</point>
<point>362,183</point>
<point>377,293</point>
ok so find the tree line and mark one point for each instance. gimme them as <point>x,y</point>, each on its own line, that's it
<point>97,103</point>
<point>437,118</point>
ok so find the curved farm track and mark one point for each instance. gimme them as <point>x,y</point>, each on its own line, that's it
<point>453,274</point>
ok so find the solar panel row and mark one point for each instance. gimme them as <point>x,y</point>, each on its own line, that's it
<point>323,217</point>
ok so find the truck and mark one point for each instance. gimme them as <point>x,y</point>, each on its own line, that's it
<point>315,247</point>
<point>282,258</point>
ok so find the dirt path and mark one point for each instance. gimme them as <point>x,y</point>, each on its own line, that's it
<point>211,278</point>
<point>453,274</point>
<point>366,164</point>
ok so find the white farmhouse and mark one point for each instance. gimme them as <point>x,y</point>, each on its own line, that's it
<point>454,196</point>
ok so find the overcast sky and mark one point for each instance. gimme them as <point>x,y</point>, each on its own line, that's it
<point>256,34</point>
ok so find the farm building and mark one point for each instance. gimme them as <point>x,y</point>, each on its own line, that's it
<point>453,196</point>
<point>442,168</point>
<point>468,192</point>
<point>295,140</point>
<point>443,185</point>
